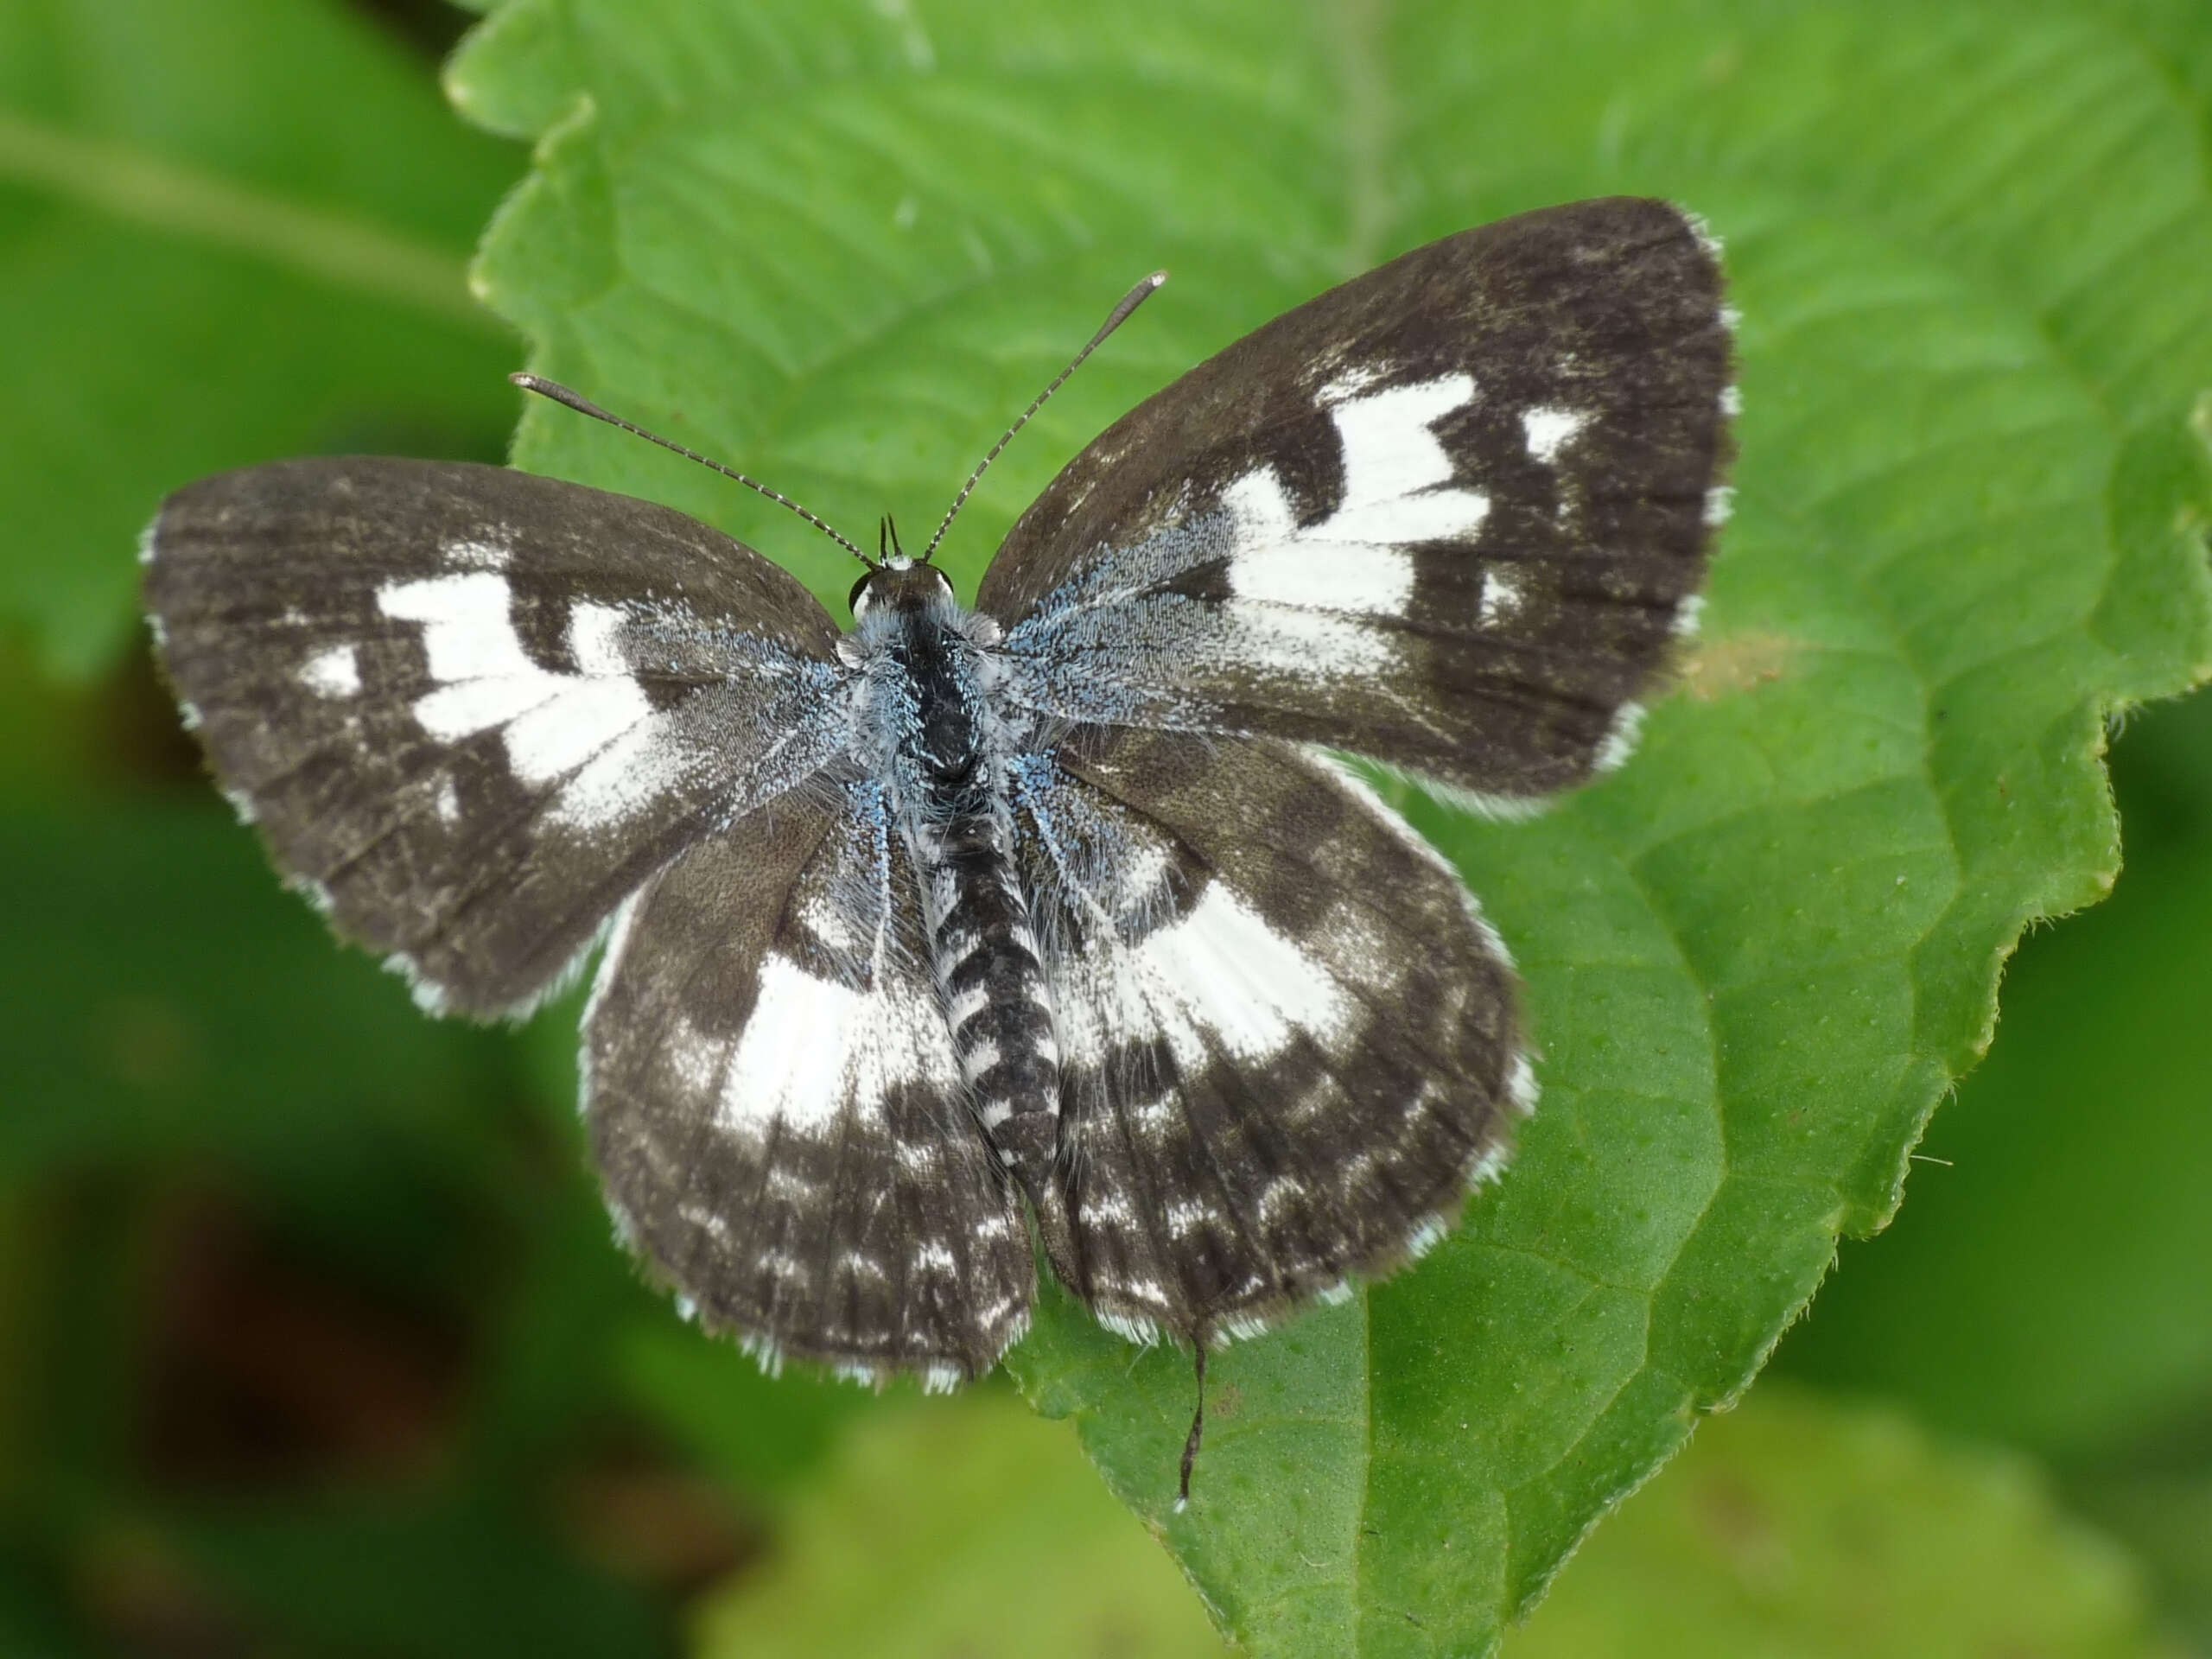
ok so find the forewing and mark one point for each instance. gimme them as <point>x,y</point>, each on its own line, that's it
<point>776,1106</point>
<point>471,709</point>
<point>1289,1044</point>
<point>1448,515</point>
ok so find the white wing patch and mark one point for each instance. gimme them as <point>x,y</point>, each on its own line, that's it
<point>1217,978</point>
<point>1547,431</point>
<point>335,672</point>
<point>1500,596</point>
<point>814,1051</point>
<point>596,729</point>
<point>1287,580</point>
<point>591,631</point>
<point>1395,468</point>
<point>1620,738</point>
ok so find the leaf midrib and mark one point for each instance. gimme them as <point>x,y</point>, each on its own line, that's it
<point>133,185</point>
<point>1366,130</point>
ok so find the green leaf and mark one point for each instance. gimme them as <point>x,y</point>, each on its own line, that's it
<point>964,1528</point>
<point>2048,1283</point>
<point>161,995</point>
<point>1796,1526</point>
<point>2166,1515</point>
<point>31,1619</point>
<point>759,1433</point>
<point>434,1577</point>
<point>221,273</point>
<point>838,245</point>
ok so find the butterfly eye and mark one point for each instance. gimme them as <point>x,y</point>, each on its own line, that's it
<point>859,588</point>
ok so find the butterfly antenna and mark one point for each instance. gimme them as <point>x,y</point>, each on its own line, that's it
<point>560,394</point>
<point>1135,297</point>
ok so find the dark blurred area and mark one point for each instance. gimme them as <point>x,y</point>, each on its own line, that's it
<point>315,1319</point>
<point>430,28</point>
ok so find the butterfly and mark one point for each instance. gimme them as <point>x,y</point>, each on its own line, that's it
<point>1062,915</point>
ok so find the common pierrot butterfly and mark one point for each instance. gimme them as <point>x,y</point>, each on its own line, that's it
<point>1058,913</point>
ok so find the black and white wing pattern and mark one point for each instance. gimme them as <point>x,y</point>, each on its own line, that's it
<point>1061,912</point>
<point>777,1110</point>
<point>1448,516</point>
<point>1288,1044</point>
<point>472,709</point>
<point>479,716</point>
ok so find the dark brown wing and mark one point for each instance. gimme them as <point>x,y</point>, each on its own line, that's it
<point>1448,515</point>
<point>472,709</point>
<point>776,1105</point>
<point>1289,1044</point>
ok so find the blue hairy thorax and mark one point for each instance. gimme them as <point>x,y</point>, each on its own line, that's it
<point>923,723</point>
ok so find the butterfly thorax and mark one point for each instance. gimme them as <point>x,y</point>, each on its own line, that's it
<point>933,739</point>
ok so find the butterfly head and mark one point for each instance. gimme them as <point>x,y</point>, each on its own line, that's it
<point>893,588</point>
<point>896,581</point>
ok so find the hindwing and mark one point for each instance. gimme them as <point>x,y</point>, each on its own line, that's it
<point>776,1106</point>
<point>1288,1042</point>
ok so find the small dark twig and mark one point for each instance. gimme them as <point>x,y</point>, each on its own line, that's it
<point>1198,1428</point>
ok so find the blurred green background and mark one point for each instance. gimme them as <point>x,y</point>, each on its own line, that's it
<point>312,1336</point>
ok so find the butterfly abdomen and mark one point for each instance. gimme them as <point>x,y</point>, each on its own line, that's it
<point>996,1001</point>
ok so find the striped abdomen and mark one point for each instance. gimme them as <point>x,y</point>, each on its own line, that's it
<point>929,693</point>
<point>993,986</point>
